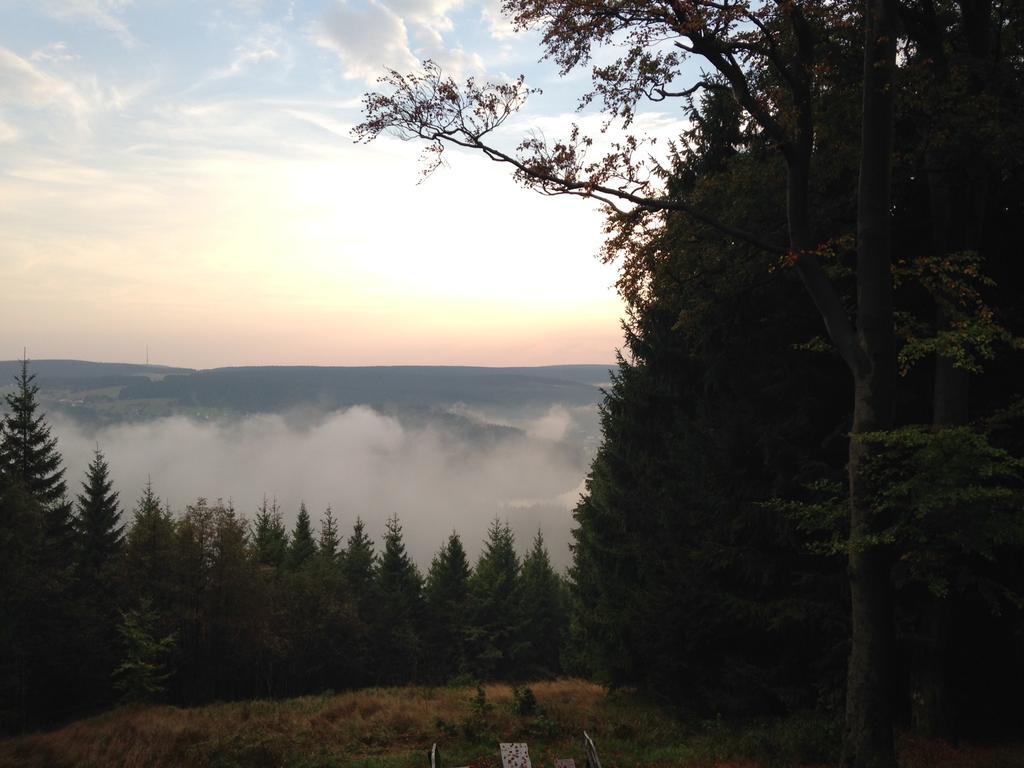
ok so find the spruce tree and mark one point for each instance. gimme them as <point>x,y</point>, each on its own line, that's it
<point>542,602</point>
<point>302,547</point>
<point>446,594</point>
<point>150,560</point>
<point>399,610</point>
<point>27,449</point>
<point>98,522</point>
<point>271,537</point>
<point>44,643</point>
<point>99,532</point>
<point>327,546</point>
<point>358,563</point>
<point>142,675</point>
<point>22,586</point>
<point>494,637</point>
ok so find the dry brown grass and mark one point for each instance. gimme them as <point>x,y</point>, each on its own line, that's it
<point>386,728</point>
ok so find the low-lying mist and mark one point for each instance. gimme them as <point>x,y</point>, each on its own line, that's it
<point>437,470</point>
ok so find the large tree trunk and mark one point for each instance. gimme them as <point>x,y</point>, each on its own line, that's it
<point>869,737</point>
<point>930,711</point>
<point>953,229</point>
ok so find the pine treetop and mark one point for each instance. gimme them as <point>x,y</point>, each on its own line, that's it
<point>27,449</point>
<point>98,519</point>
<point>329,542</point>
<point>302,547</point>
<point>270,536</point>
<point>397,580</point>
<point>498,565</point>
<point>448,578</point>
<point>537,558</point>
<point>359,557</point>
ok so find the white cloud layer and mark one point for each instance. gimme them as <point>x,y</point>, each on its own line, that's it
<point>368,37</point>
<point>359,461</point>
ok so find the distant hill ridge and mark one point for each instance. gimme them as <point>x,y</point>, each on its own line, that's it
<point>271,388</point>
<point>83,369</point>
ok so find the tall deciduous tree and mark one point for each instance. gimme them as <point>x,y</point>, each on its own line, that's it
<point>768,57</point>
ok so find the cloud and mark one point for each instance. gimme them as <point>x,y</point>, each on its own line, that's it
<point>456,62</point>
<point>104,14</point>
<point>428,13</point>
<point>395,34</point>
<point>368,37</point>
<point>56,53</point>
<point>24,84</point>
<point>8,132</point>
<point>246,57</point>
<point>333,126</point>
<point>436,477</point>
<point>499,25</point>
<point>267,44</point>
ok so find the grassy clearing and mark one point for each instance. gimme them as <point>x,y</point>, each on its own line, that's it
<point>387,728</point>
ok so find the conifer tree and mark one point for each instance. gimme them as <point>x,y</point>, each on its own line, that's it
<point>494,636</point>
<point>98,522</point>
<point>27,449</point>
<point>399,609</point>
<point>327,546</point>
<point>302,547</point>
<point>150,552</point>
<point>358,563</point>
<point>21,587</point>
<point>142,675</point>
<point>99,532</point>
<point>271,537</point>
<point>44,641</point>
<point>446,594</point>
<point>543,605</point>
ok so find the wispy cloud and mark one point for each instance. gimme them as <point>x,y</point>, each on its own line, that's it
<point>22,83</point>
<point>8,132</point>
<point>105,14</point>
<point>265,45</point>
<point>56,53</point>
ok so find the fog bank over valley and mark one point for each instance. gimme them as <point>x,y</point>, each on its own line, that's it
<point>437,469</point>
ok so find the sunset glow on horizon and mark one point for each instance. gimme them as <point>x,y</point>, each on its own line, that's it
<point>185,178</point>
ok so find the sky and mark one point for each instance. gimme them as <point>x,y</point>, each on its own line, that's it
<point>181,176</point>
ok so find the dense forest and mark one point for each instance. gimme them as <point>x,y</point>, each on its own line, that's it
<point>101,606</point>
